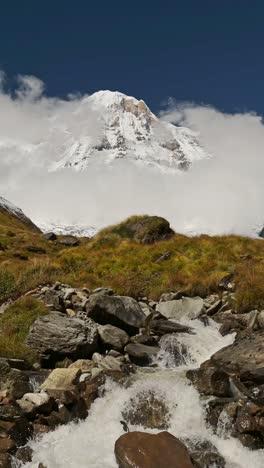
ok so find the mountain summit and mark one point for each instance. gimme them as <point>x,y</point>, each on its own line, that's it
<point>128,130</point>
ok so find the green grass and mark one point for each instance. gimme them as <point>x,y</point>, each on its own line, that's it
<point>14,327</point>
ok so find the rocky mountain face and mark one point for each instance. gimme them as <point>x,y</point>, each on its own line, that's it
<point>14,214</point>
<point>129,131</point>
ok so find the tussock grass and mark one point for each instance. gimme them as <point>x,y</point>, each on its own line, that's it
<point>14,327</point>
<point>115,259</point>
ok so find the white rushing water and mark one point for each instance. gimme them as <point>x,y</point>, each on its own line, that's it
<point>91,443</point>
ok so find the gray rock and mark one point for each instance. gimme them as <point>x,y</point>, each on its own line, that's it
<point>261,319</point>
<point>162,327</point>
<point>14,381</point>
<point>120,311</point>
<point>245,355</point>
<point>113,337</point>
<point>56,335</point>
<point>253,319</point>
<point>141,354</point>
<point>49,236</point>
<point>69,241</point>
<point>187,307</point>
<point>146,308</point>
<point>103,291</point>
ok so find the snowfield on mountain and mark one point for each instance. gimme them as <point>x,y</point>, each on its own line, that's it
<point>129,131</point>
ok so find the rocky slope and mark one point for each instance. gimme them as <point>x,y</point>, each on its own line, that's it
<point>11,215</point>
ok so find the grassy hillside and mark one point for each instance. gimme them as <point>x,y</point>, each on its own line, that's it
<point>194,264</point>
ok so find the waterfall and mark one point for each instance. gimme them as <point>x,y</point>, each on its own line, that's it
<point>90,443</point>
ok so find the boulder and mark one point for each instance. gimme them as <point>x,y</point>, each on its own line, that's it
<point>56,336</point>
<point>120,311</point>
<point>49,236</point>
<point>61,379</point>
<point>148,410</point>
<point>145,229</point>
<point>113,337</point>
<point>143,450</point>
<point>246,354</point>
<point>13,381</point>
<point>187,308</point>
<point>69,241</point>
<point>140,354</point>
<point>210,381</point>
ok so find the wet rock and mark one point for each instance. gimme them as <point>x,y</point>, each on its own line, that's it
<point>120,311</point>
<point>24,454</point>
<point>245,355</point>
<point>162,327</point>
<point>205,455</point>
<point>35,249</point>
<point>5,460</point>
<point>148,410</point>
<point>19,430</point>
<point>141,355</point>
<point>210,381</point>
<point>13,381</point>
<point>143,450</point>
<point>177,352</point>
<point>148,340</point>
<point>187,307</point>
<point>69,241</point>
<point>56,336</point>
<point>113,337</point>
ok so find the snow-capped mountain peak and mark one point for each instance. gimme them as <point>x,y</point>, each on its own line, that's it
<point>129,131</point>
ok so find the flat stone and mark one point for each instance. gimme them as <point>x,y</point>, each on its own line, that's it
<point>187,307</point>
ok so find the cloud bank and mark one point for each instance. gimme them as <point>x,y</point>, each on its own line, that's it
<point>219,195</point>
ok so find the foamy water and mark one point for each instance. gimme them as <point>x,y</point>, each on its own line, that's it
<point>91,443</point>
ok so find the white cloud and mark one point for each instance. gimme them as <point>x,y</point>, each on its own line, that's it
<point>222,194</point>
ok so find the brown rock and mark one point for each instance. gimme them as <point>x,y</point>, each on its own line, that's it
<point>210,381</point>
<point>5,460</point>
<point>7,445</point>
<point>142,450</point>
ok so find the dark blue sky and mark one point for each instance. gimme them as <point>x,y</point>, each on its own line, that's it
<point>208,51</point>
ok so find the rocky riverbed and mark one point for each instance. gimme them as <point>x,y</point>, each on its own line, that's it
<point>181,379</point>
